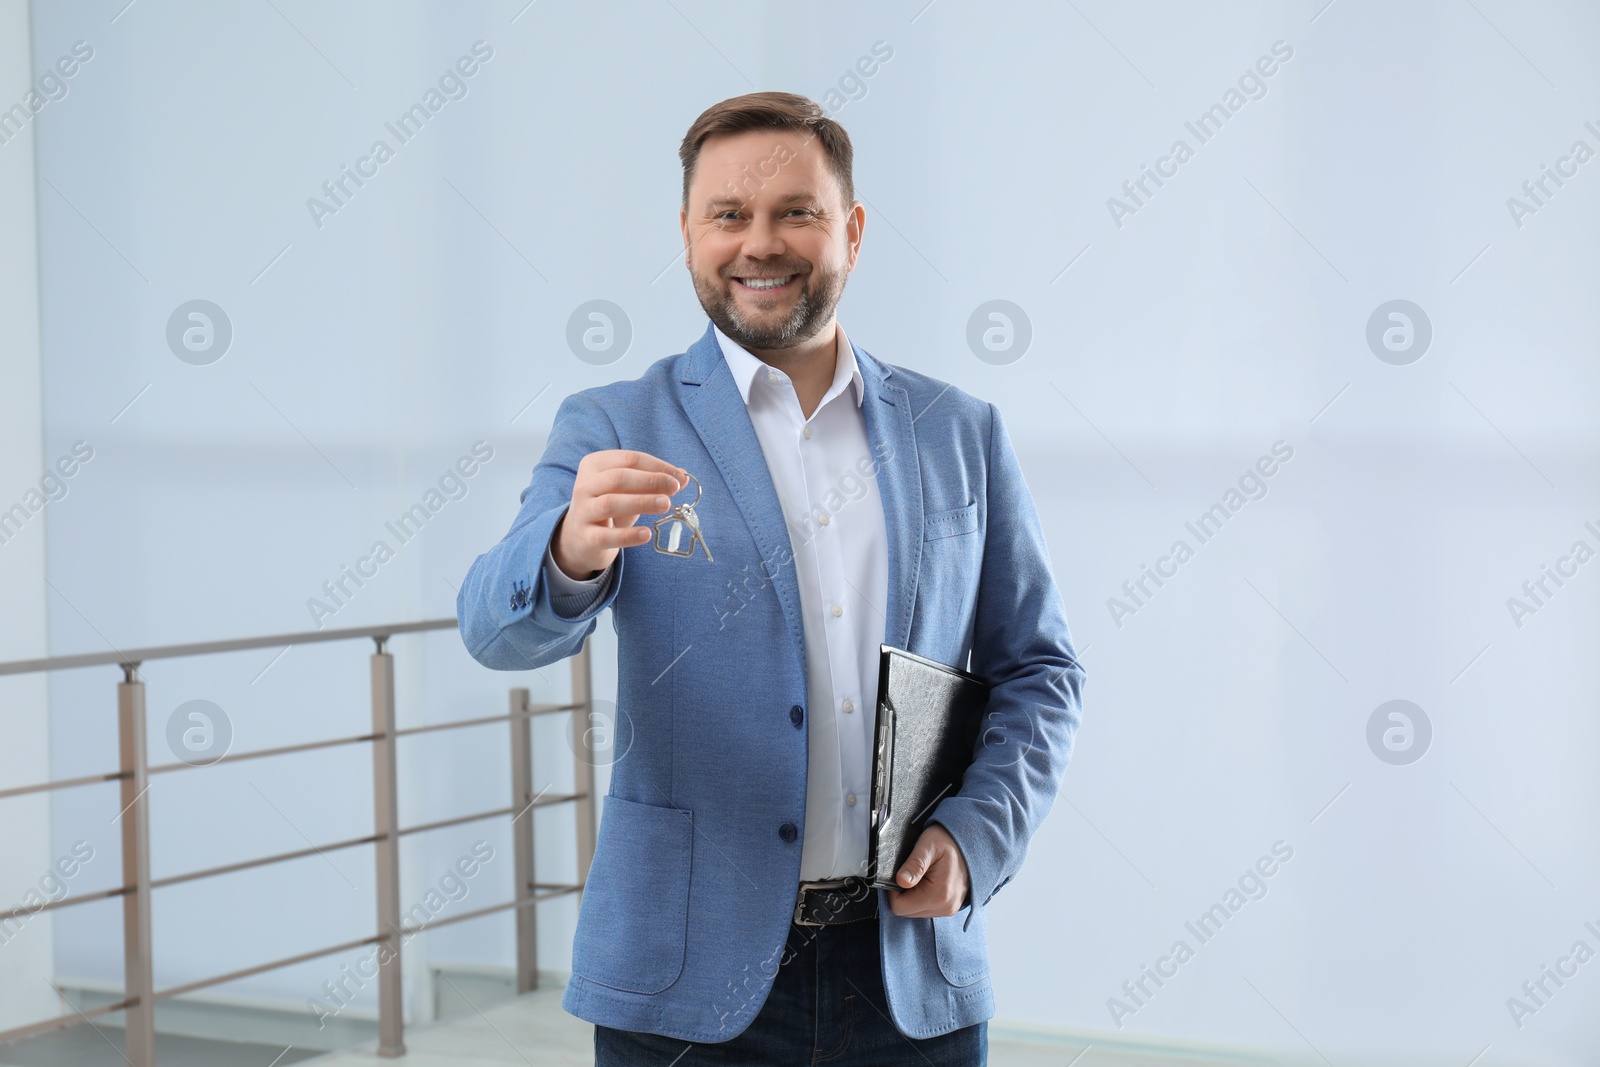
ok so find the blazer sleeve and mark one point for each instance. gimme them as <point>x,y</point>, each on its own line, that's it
<point>510,618</point>
<point>1022,648</point>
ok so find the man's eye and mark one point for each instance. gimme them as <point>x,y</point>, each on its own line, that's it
<point>731,213</point>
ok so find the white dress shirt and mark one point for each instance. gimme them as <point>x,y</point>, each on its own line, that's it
<point>822,469</point>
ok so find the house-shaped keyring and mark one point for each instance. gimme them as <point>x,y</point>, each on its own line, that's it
<point>678,531</point>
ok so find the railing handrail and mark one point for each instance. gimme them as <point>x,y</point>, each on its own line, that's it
<point>204,648</point>
<point>137,884</point>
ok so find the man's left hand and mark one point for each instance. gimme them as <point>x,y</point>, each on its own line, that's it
<point>934,877</point>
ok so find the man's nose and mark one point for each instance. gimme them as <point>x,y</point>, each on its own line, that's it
<point>762,239</point>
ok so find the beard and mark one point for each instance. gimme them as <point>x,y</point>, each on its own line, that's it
<point>820,291</point>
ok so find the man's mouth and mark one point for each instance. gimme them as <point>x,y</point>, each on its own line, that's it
<point>759,284</point>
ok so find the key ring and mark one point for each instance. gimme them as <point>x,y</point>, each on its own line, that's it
<point>697,491</point>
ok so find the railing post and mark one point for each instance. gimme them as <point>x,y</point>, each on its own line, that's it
<point>522,842</point>
<point>583,758</point>
<point>139,1033</point>
<point>386,850</point>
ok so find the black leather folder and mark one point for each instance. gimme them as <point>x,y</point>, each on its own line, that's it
<point>929,719</point>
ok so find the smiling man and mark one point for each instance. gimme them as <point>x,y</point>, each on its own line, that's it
<point>839,502</point>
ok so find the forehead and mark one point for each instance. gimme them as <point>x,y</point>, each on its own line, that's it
<point>761,164</point>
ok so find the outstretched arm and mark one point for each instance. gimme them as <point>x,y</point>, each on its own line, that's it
<point>509,613</point>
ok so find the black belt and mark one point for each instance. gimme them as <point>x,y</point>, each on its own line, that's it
<point>833,901</point>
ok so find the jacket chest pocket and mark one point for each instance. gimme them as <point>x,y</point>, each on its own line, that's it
<point>947,581</point>
<point>952,523</point>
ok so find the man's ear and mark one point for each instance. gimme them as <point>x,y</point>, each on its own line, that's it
<point>855,224</point>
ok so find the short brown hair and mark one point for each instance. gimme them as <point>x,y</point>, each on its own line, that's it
<point>771,111</point>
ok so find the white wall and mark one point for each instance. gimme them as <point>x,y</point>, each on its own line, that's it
<point>25,850</point>
<point>1229,312</point>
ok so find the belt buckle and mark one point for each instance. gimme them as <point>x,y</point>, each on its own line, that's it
<point>800,900</point>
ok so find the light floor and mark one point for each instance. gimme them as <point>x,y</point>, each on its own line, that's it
<point>534,1031</point>
<point>101,1046</point>
<point>528,1031</point>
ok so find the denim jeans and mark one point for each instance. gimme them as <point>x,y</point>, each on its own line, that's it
<point>827,1006</point>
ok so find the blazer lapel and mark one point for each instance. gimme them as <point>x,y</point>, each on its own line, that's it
<point>720,417</point>
<point>891,432</point>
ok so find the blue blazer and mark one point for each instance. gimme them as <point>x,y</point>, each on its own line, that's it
<point>686,911</point>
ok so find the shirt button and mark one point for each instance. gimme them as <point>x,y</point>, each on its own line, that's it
<point>850,800</point>
<point>822,520</point>
<point>797,714</point>
<point>772,375</point>
<point>788,832</point>
<point>806,433</point>
<point>849,706</point>
<point>838,609</point>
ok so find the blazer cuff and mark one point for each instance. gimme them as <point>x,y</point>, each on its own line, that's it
<point>980,846</point>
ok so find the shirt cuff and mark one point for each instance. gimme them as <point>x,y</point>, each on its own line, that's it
<point>571,597</point>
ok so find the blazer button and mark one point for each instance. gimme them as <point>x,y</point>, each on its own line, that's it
<point>788,832</point>
<point>797,714</point>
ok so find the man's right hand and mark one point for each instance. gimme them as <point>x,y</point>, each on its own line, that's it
<point>613,488</point>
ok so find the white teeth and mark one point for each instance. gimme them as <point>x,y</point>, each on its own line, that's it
<point>766,283</point>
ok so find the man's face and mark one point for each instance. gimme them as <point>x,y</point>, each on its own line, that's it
<point>764,208</point>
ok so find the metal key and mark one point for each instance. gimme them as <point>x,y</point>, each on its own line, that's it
<point>689,516</point>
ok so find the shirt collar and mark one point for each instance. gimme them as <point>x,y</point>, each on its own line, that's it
<point>744,365</point>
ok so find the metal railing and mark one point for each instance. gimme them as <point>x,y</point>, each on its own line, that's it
<point>140,995</point>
